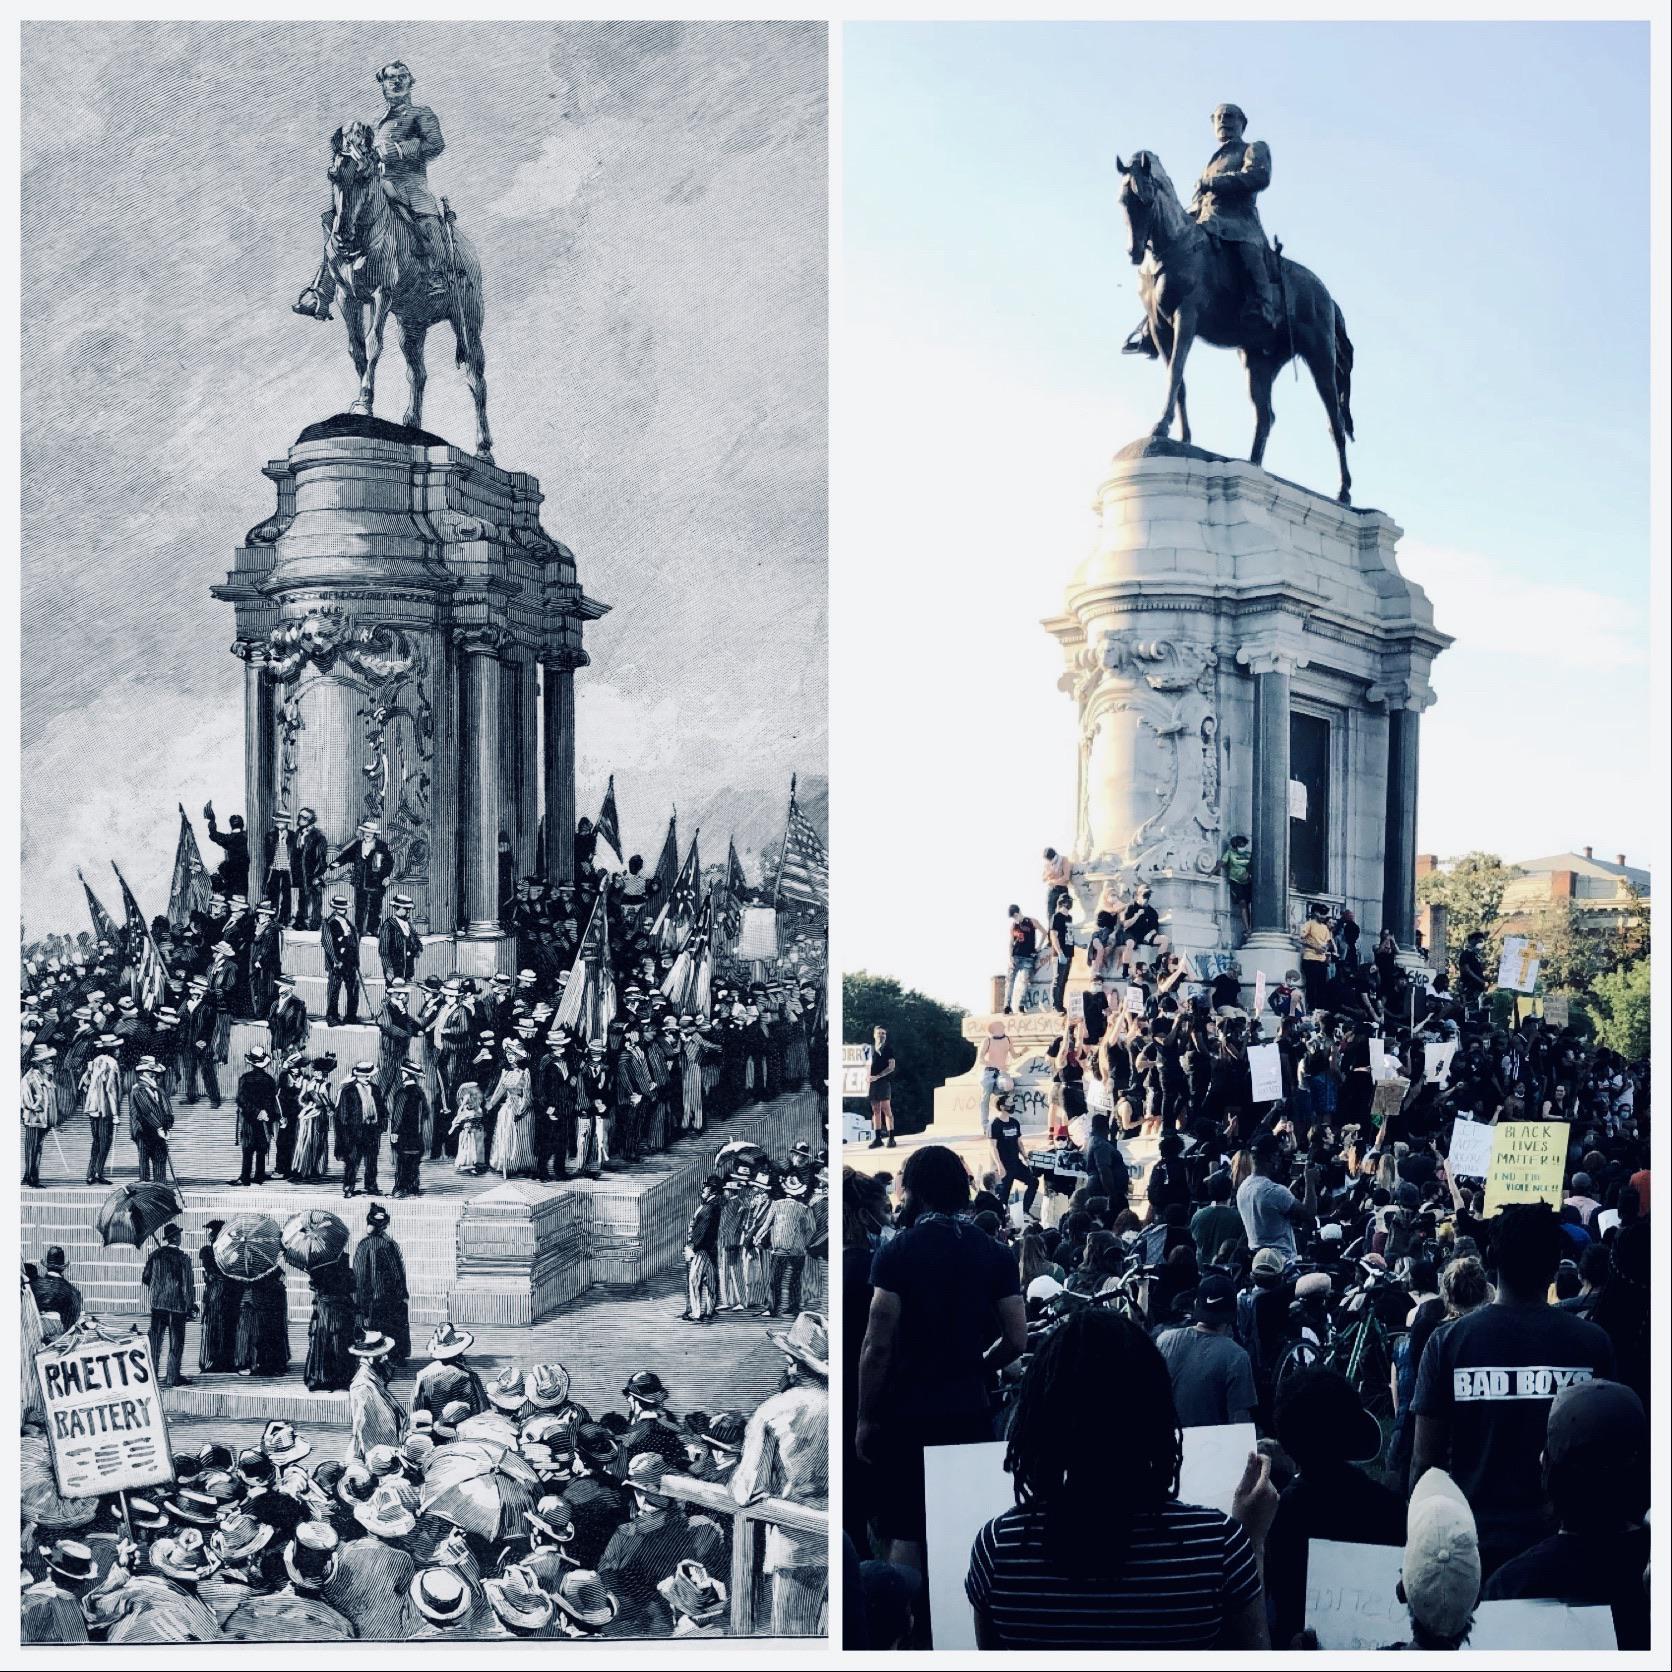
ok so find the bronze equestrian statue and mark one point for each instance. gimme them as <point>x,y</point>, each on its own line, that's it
<point>392,248</point>
<point>1209,273</point>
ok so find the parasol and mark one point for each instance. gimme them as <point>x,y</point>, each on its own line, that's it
<point>249,1247</point>
<point>133,1212</point>
<point>492,1426</point>
<point>739,1153</point>
<point>314,1238</point>
<point>480,1487</point>
<point>38,1490</point>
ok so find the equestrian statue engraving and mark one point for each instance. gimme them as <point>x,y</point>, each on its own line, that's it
<point>392,248</point>
<point>1208,272</point>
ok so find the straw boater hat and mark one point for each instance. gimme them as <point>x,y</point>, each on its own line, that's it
<point>70,1559</point>
<point>241,1538</point>
<point>547,1386</point>
<point>402,901</point>
<point>518,1601</point>
<point>364,1070</point>
<point>386,1514</point>
<point>311,1556</point>
<point>255,1468</point>
<point>370,1344</point>
<point>257,1055</point>
<point>147,1516</point>
<point>448,1342</point>
<point>506,1389</point>
<point>584,1597</point>
<point>689,1590</point>
<point>339,902</point>
<point>807,1341</point>
<point>440,1595</point>
<point>185,1557</point>
<point>195,1508</point>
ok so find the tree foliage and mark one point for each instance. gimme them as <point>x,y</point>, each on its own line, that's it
<point>923,1033</point>
<point>1619,1001</point>
<point>1472,892</point>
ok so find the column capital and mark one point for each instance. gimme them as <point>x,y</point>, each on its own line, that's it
<point>252,652</point>
<point>566,660</point>
<point>1413,694</point>
<point>1270,658</point>
<point>483,640</point>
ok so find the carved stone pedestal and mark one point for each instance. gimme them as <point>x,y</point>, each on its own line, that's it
<point>409,634</point>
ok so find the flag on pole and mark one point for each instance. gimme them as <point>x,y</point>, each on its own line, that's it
<point>678,911</point>
<point>734,890</point>
<point>139,951</point>
<point>189,892</point>
<point>588,1001</point>
<point>104,925</point>
<point>689,982</point>
<point>609,822</point>
<point>803,866</point>
<point>667,867</point>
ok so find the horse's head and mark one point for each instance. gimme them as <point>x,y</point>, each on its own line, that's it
<point>1146,194</point>
<point>353,161</point>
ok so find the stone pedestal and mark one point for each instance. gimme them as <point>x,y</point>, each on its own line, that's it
<point>1220,608</point>
<point>399,614</point>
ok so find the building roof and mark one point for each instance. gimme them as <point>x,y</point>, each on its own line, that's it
<point>1604,876</point>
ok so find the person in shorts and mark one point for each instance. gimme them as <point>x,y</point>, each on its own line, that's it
<point>882,1090</point>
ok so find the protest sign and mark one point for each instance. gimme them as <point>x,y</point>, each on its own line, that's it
<point>964,1488</point>
<point>1265,1073</point>
<point>1352,1595</point>
<point>1528,1159</point>
<point>1260,993</point>
<point>1471,1149</point>
<point>1379,1068</point>
<point>1539,1623</point>
<point>1604,1221</point>
<point>1557,1009</point>
<point>856,1070</point>
<point>104,1414</point>
<point>1297,799</point>
<point>1214,1459</point>
<point>1386,1098</point>
<point>1133,1004</point>
<point>1518,964</point>
<point>1436,1061</point>
<point>757,936</point>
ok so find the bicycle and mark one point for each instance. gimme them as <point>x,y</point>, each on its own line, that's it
<point>1360,1348</point>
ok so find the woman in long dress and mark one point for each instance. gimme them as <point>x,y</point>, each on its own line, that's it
<point>513,1137</point>
<point>263,1347</point>
<point>219,1329</point>
<point>330,1365</point>
<point>308,1163</point>
<point>469,1155</point>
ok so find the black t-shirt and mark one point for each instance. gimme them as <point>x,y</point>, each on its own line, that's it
<point>1491,1375</point>
<point>949,1277</point>
<point>882,1074</point>
<point>1062,929</point>
<point>1024,939</point>
<point>1226,989</point>
<point>1006,1133</point>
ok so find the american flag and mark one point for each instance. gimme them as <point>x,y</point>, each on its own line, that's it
<point>140,951</point>
<point>609,822</point>
<point>588,1001</point>
<point>104,925</point>
<point>804,866</point>
<point>190,889</point>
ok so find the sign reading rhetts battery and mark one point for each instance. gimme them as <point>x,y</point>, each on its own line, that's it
<point>104,1416</point>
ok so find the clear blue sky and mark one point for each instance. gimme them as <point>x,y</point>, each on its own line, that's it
<point>1477,198</point>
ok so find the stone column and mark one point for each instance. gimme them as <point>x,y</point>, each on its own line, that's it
<point>260,743</point>
<point>480,785</point>
<point>1271,796</point>
<point>557,720</point>
<point>1399,841</point>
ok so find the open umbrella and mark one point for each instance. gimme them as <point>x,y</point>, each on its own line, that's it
<point>480,1487</point>
<point>739,1153</point>
<point>38,1490</point>
<point>492,1426</point>
<point>132,1212</point>
<point>248,1247</point>
<point>314,1238</point>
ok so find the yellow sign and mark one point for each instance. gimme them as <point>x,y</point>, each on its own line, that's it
<point>1529,1158</point>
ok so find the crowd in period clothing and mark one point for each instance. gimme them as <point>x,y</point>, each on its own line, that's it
<point>470,1071</point>
<point>588,1533</point>
<point>1220,1286</point>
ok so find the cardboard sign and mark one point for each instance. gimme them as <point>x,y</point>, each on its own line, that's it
<point>1518,964</point>
<point>1471,1149</point>
<point>1386,1098</point>
<point>1436,1061</point>
<point>1352,1595</point>
<point>964,1488</point>
<point>1378,1060</point>
<point>104,1416</point>
<point>856,1070</point>
<point>1260,993</point>
<point>1265,1073</point>
<point>1528,1160</point>
<point>1133,1003</point>
<point>1558,1011</point>
<point>1604,1220</point>
<point>1537,1623</point>
<point>1214,1459</point>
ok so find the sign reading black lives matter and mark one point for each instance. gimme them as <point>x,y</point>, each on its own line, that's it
<point>104,1416</point>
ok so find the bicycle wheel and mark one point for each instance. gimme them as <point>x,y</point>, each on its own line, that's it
<point>1298,1356</point>
<point>1369,1369</point>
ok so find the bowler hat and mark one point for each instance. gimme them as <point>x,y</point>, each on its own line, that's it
<point>646,1387</point>
<point>583,1596</point>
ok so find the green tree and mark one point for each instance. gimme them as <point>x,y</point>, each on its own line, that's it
<point>1620,1003</point>
<point>923,1032</point>
<point>1472,891</point>
<point>1570,958</point>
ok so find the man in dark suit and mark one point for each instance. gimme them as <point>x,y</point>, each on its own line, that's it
<point>556,1076</point>
<point>362,1119</point>
<point>340,941</point>
<point>149,1119</point>
<point>233,872</point>
<point>398,942</point>
<point>287,1019</point>
<point>172,1294</point>
<point>266,943</point>
<point>312,859</point>
<point>279,869</point>
<point>258,1116</point>
<point>407,1116</point>
<point>371,863</point>
<point>196,1043</point>
<point>238,932</point>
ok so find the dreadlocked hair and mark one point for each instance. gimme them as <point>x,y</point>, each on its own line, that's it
<point>1088,1516</point>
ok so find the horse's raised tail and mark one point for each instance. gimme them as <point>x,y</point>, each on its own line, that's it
<point>467,279</point>
<point>1344,371</point>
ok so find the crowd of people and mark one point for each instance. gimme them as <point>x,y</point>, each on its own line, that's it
<point>480,1508</point>
<point>478,1071</point>
<point>1469,1387</point>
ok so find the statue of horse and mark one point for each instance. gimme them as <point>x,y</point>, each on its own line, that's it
<point>376,257</point>
<point>1190,290</point>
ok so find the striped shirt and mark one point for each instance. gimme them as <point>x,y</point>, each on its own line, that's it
<point>1185,1573</point>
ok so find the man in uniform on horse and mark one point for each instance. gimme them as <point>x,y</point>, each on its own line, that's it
<point>408,138</point>
<point>1224,205</point>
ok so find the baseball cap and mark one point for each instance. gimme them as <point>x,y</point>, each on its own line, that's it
<point>1216,1299</point>
<point>1441,1570</point>
<point>1607,1417</point>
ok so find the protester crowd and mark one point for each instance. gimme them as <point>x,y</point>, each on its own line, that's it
<point>1470,1388</point>
<point>490,1074</point>
<point>481,1508</point>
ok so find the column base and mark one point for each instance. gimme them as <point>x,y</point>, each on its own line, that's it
<point>486,952</point>
<point>1268,950</point>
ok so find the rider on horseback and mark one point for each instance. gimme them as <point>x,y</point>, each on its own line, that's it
<point>408,137</point>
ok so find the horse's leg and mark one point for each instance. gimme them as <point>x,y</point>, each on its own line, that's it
<point>1184,333</point>
<point>1262,373</point>
<point>1184,417</point>
<point>374,351</point>
<point>413,338</point>
<point>1320,361</point>
<point>470,356</point>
